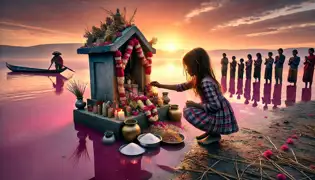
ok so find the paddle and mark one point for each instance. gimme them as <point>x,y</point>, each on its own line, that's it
<point>50,66</point>
<point>63,66</point>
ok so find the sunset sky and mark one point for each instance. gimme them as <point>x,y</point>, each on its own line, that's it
<point>178,24</point>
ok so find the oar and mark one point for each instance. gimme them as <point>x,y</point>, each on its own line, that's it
<point>65,67</point>
<point>50,66</point>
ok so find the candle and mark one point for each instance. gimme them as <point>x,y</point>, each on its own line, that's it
<point>104,109</point>
<point>95,109</point>
<point>110,112</point>
<point>99,109</point>
<point>121,115</point>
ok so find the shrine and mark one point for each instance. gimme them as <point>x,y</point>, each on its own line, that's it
<point>120,67</point>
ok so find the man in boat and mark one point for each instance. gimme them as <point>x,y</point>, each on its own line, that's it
<point>57,59</point>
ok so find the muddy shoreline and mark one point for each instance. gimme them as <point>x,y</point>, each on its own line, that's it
<point>239,156</point>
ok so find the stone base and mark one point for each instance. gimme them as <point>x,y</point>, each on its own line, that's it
<point>102,124</point>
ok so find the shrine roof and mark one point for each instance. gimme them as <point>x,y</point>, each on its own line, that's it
<point>126,35</point>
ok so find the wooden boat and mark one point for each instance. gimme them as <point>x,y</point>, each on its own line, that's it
<point>32,70</point>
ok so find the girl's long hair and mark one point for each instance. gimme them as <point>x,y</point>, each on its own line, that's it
<point>198,61</point>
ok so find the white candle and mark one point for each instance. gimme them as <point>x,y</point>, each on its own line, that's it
<point>121,115</point>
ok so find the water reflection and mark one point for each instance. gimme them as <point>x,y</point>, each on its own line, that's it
<point>239,88</point>
<point>291,95</point>
<point>247,91</point>
<point>232,87</point>
<point>110,164</point>
<point>267,95</point>
<point>223,84</point>
<point>276,100</point>
<point>256,93</point>
<point>57,83</point>
<point>306,94</point>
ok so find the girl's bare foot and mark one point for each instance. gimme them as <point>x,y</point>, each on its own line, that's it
<point>210,139</point>
<point>202,136</point>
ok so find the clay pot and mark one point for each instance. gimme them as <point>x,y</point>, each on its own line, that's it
<point>80,104</point>
<point>174,113</point>
<point>131,130</point>
<point>165,97</point>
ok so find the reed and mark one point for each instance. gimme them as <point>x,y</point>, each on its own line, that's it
<point>77,88</point>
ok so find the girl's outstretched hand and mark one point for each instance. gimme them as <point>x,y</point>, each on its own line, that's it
<point>155,83</point>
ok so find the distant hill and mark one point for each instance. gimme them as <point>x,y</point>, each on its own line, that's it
<point>69,52</point>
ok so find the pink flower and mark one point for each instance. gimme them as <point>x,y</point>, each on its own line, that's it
<point>281,177</point>
<point>312,166</point>
<point>284,147</point>
<point>268,153</point>
<point>294,136</point>
<point>118,34</point>
<point>290,141</point>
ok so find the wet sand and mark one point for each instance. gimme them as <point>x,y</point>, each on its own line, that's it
<point>248,145</point>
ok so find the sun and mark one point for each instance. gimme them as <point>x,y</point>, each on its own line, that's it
<point>171,47</point>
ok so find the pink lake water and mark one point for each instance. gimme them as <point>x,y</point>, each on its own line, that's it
<point>38,137</point>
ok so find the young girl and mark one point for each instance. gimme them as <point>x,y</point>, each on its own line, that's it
<point>309,68</point>
<point>214,115</point>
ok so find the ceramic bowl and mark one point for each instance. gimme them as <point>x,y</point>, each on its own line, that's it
<point>182,137</point>
<point>136,154</point>
<point>157,144</point>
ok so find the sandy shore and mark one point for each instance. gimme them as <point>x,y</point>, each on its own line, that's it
<point>239,156</point>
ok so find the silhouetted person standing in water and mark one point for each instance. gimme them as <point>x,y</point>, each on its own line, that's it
<point>240,70</point>
<point>233,67</point>
<point>309,65</point>
<point>257,67</point>
<point>294,66</point>
<point>268,70</point>
<point>248,68</point>
<point>224,64</point>
<point>279,66</point>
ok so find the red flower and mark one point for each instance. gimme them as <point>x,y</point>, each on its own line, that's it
<point>284,147</point>
<point>312,166</point>
<point>118,54</point>
<point>281,177</point>
<point>268,153</point>
<point>266,117</point>
<point>149,54</point>
<point>290,141</point>
<point>294,136</point>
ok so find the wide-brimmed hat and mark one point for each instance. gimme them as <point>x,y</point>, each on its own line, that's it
<point>56,53</point>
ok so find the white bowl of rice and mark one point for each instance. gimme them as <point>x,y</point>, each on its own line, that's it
<point>149,140</point>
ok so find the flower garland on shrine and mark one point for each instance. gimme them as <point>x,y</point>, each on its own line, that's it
<point>121,61</point>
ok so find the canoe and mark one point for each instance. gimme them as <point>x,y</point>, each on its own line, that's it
<point>32,70</point>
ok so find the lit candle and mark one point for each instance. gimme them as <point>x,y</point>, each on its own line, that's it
<point>121,115</point>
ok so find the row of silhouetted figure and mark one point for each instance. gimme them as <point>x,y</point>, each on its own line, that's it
<point>270,64</point>
<point>253,94</point>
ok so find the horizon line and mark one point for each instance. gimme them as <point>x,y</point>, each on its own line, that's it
<point>223,49</point>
